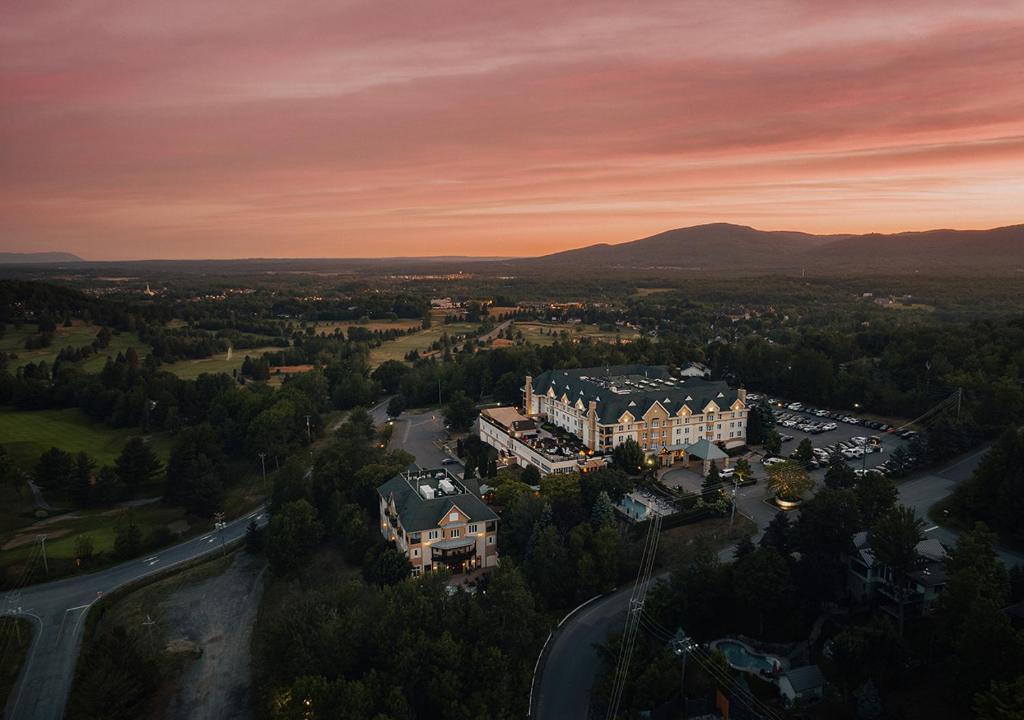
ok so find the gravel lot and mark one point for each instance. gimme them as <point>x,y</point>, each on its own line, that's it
<point>218,615</point>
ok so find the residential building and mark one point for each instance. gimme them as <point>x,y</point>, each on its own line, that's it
<point>803,684</point>
<point>437,522</point>
<point>870,580</point>
<point>666,415</point>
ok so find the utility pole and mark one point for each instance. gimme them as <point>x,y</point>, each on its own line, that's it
<point>439,391</point>
<point>263,462</point>
<point>732,519</point>
<point>309,431</point>
<point>218,522</point>
<point>148,623</point>
<point>46,566</point>
<point>682,645</point>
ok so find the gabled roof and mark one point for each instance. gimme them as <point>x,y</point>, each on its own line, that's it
<point>417,513</point>
<point>636,388</point>
<point>805,678</point>
<point>706,450</point>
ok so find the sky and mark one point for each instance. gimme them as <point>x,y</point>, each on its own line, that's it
<point>324,128</point>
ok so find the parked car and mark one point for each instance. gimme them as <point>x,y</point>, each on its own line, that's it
<point>726,473</point>
<point>772,461</point>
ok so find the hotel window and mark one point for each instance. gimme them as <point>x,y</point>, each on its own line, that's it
<point>432,535</point>
<point>456,532</point>
<point>453,517</point>
<point>490,539</point>
<point>415,552</point>
<point>472,528</point>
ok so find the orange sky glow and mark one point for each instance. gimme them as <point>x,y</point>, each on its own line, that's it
<point>143,129</point>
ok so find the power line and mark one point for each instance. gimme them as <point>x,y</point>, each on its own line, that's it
<point>636,604</point>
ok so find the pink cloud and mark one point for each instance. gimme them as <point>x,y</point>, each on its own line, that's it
<point>140,129</point>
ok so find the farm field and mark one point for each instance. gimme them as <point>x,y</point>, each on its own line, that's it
<point>539,333</point>
<point>25,434</point>
<point>398,348</point>
<point>79,334</point>
<point>219,363</point>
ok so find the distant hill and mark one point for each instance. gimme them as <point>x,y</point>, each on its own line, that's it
<point>722,247</point>
<point>15,258</point>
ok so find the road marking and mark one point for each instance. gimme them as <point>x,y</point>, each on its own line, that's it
<point>933,527</point>
<point>211,540</point>
<point>149,558</point>
<point>204,537</point>
<point>154,561</point>
<point>77,607</point>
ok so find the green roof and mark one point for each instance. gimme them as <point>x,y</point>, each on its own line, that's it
<point>706,450</point>
<point>417,513</point>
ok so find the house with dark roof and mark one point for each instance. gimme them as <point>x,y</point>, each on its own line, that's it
<point>667,415</point>
<point>871,580</point>
<point>437,522</point>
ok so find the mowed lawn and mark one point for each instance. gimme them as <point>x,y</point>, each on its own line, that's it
<point>221,363</point>
<point>26,434</point>
<point>539,333</point>
<point>79,334</point>
<point>398,348</point>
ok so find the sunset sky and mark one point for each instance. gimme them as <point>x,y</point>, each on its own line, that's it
<point>324,128</point>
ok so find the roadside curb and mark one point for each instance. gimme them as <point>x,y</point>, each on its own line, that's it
<point>543,650</point>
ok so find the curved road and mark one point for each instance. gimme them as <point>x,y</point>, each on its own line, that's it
<point>58,610</point>
<point>573,663</point>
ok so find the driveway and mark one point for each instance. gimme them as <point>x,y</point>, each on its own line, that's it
<point>422,434</point>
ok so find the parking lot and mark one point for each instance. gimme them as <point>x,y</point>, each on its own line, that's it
<point>865,448</point>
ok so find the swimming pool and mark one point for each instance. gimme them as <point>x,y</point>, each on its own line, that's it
<point>633,508</point>
<point>742,657</point>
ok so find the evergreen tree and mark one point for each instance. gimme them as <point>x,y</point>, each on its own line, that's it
<point>137,464</point>
<point>603,512</point>
<point>743,548</point>
<point>711,488</point>
<point>777,534</point>
<point>81,489</point>
<point>869,702</point>
<point>839,475</point>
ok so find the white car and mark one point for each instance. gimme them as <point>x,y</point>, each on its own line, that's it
<point>829,426</point>
<point>726,473</point>
<point>795,406</point>
<point>772,461</point>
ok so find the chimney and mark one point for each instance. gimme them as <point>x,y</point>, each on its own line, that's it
<point>528,396</point>
<point>741,394</point>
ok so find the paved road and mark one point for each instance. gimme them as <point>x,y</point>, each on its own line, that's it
<point>58,610</point>
<point>922,492</point>
<point>573,663</point>
<point>422,434</point>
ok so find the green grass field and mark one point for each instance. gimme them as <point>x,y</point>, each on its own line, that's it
<point>27,434</point>
<point>220,363</point>
<point>538,332</point>
<point>79,334</point>
<point>398,348</point>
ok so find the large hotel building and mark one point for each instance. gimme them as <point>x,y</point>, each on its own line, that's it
<point>670,417</point>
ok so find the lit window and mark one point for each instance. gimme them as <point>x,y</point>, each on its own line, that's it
<point>453,517</point>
